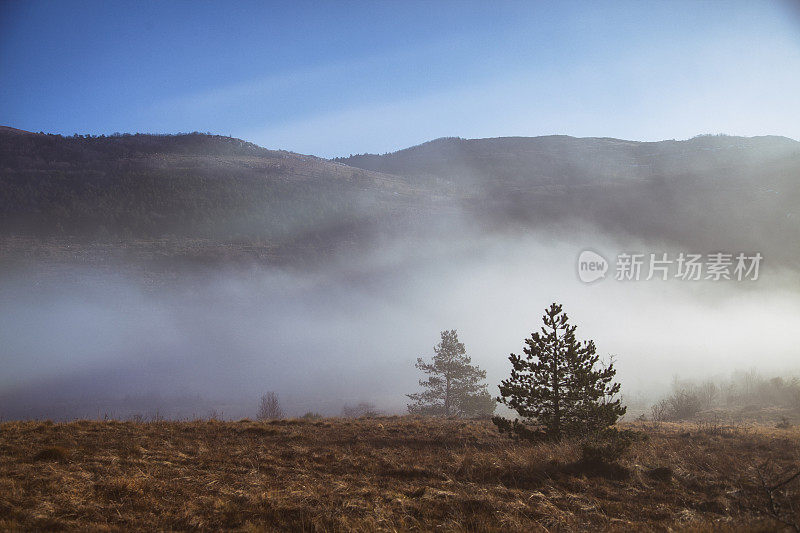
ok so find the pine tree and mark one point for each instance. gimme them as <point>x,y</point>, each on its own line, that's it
<point>454,386</point>
<point>558,388</point>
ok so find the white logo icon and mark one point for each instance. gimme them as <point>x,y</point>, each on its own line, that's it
<point>591,266</point>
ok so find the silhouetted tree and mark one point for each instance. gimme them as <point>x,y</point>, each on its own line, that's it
<point>558,388</point>
<point>454,385</point>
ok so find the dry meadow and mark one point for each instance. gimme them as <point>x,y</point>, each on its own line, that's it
<point>387,474</point>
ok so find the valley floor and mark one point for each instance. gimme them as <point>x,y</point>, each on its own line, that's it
<point>392,474</point>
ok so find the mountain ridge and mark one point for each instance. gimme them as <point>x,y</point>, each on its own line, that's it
<point>450,154</point>
<point>709,192</point>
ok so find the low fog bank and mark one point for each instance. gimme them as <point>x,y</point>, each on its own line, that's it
<point>92,343</point>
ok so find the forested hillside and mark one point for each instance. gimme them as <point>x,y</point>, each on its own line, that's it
<point>193,185</point>
<point>707,193</point>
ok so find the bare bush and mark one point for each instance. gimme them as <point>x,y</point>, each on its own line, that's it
<point>708,393</point>
<point>684,404</point>
<point>270,407</point>
<point>362,409</point>
<point>748,390</point>
<point>751,388</point>
<point>780,495</point>
<point>659,412</point>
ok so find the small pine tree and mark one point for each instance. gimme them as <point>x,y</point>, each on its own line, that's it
<point>454,385</point>
<point>558,388</point>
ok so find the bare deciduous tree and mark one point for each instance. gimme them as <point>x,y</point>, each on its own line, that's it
<point>270,407</point>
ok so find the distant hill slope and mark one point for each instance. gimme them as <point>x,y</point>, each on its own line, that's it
<point>6,129</point>
<point>569,160</point>
<point>704,194</point>
<point>707,193</point>
<point>186,186</point>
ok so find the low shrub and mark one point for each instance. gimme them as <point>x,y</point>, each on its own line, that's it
<point>54,453</point>
<point>609,445</point>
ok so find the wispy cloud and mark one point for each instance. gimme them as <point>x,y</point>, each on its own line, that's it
<point>635,97</point>
<point>721,82</point>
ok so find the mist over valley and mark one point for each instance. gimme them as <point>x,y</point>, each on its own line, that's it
<point>188,274</point>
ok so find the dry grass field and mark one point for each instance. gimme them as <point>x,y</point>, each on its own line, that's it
<point>386,474</point>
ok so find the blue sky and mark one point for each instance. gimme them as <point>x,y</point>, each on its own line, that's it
<point>334,78</point>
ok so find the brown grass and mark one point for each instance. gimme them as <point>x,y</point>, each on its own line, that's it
<point>55,453</point>
<point>390,474</point>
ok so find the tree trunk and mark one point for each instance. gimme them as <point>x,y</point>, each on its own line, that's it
<point>556,388</point>
<point>447,397</point>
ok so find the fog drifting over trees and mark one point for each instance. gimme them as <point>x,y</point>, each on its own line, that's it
<point>322,339</point>
<point>328,317</point>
